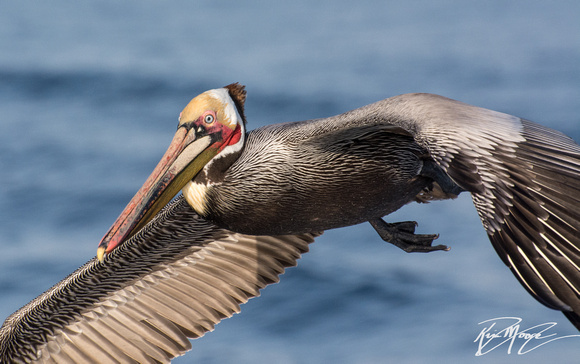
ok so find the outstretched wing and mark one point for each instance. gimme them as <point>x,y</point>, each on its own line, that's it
<point>172,281</point>
<point>538,233</point>
<point>524,179</point>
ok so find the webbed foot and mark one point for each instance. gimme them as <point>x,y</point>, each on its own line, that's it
<point>402,235</point>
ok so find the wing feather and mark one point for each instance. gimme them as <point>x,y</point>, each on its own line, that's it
<point>525,183</point>
<point>172,281</point>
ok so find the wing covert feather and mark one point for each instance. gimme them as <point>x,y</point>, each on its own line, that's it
<point>172,281</point>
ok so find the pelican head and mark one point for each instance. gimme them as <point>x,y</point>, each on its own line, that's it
<point>211,126</point>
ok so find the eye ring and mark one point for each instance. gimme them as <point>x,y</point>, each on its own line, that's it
<point>209,118</point>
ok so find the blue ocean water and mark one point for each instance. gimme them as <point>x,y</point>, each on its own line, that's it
<point>89,98</point>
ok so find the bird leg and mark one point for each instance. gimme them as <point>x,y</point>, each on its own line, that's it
<point>402,235</point>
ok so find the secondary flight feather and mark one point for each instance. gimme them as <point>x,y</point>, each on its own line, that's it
<point>274,188</point>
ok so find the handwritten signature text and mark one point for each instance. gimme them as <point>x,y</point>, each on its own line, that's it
<point>507,332</point>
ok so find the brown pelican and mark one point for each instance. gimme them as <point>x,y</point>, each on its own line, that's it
<point>170,275</point>
<point>359,166</point>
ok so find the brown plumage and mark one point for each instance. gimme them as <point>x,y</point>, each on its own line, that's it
<point>361,165</point>
<point>172,281</point>
<point>300,178</point>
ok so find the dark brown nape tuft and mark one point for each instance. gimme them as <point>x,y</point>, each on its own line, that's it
<point>238,94</point>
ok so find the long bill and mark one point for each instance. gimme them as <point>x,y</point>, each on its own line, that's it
<point>186,156</point>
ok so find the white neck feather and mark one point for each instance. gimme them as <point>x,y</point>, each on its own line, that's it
<point>196,196</point>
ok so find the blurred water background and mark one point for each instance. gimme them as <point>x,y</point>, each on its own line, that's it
<point>89,98</point>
